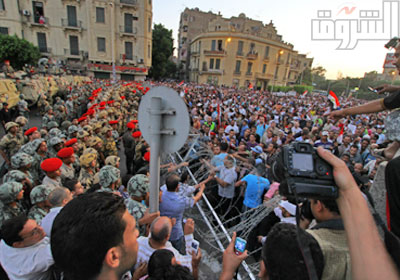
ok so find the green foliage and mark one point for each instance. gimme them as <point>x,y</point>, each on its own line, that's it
<point>18,51</point>
<point>162,66</point>
<point>297,88</point>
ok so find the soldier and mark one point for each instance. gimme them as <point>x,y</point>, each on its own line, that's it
<point>110,148</point>
<point>73,143</point>
<point>60,114</point>
<point>138,189</point>
<point>55,144</point>
<point>109,179</point>
<point>21,121</point>
<point>23,107</point>
<point>65,125</point>
<point>39,148</point>
<point>70,107</point>
<point>32,134</point>
<point>10,195</point>
<point>41,206</point>
<point>43,104</point>
<point>88,170</point>
<point>48,116</point>
<point>67,157</point>
<point>97,144</point>
<point>9,145</point>
<point>129,147</point>
<point>82,140</point>
<point>73,131</point>
<point>113,161</point>
<point>114,126</point>
<point>51,167</point>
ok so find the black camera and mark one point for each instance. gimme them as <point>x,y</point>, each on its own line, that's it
<point>302,172</point>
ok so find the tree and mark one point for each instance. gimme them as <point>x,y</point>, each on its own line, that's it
<point>162,51</point>
<point>18,51</point>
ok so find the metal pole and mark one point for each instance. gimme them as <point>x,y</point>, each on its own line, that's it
<point>155,125</point>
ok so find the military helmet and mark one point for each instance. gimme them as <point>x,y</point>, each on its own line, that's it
<point>138,185</point>
<point>108,174</point>
<point>40,193</point>
<point>9,191</point>
<point>20,160</point>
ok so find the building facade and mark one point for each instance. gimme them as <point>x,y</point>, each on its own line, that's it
<point>86,35</point>
<point>238,52</point>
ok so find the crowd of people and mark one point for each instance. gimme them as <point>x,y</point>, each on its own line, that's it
<point>67,212</point>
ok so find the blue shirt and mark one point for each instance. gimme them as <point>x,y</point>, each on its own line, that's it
<point>261,129</point>
<point>173,205</point>
<point>254,190</point>
<point>218,160</point>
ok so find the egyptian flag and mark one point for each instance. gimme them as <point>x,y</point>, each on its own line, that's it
<point>340,137</point>
<point>334,99</point>
<point>305,92</point>
<point>181,83</point>
<point>250,86</point>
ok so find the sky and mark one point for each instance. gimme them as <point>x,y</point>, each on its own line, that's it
<point>293,20</point>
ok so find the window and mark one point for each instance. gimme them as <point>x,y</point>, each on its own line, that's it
<point>217,63</point>
<point>266,55</point>
<point>149,25</point>
<point>42,42</point>
<point>249,66</point>
<point>204,67</point>
<point>74,45</point>
<point>199,46</point>
<point>220,45</point>
<point>100,16</point>
<point>252,47</point>
<point>2,7</point>
<point>101,44</point>
<point>240,48</point>
<point>211,63</point>
<point>4,30</point>
<point>237,67</point>
<point>129,50</point>
<point>213,44</point>
<point>128,23</point>
<point>264,68</point>
<point>38,12</point>
<point>71,15</point>
<point>148,51</point>
<point>149,2</point>
<point>276,73</point>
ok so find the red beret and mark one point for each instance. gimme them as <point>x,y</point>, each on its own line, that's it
<point>65,152</point>
<point>212,133</point>
<point>30,131</point>
<point>51,164</point>
<point>122,97</point>
<point>110,102</point>
<point>136,134</point>
<point>90,112</point>
<point>135,121</point>
<point>147,156</point>
<point>113,122</point>
<point>71,142</point>
<point>130,125</point>
<point>102,103</point>
<point>102,108</point>
<point>91,98</point>
<point>81,119</point>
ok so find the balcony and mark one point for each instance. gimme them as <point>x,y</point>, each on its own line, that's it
<point>39,22</point>
<point>266,58</point>
<point>237,73</point>
<point>252,55</point>
<point>214,52</point>
<point>45,51</point>
<point>128,59</point>
<point>129,4</point>
<point>77,54</point>
<point>263,76</point>
<point>195,53</point>
<point>239,54</point>
<point>211,72</point>
<point>249,73</point>
<point>127,31</point>
<point>71,25</point>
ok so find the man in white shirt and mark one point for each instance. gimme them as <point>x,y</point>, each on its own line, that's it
<point>58,198</point>
<point>160,232</point>
<point>25,250</point>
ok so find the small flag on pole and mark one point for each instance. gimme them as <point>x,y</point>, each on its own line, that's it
<point>181,83</point>
<point>334,99</point>
<point>250,86</point>
<point>305,92</point>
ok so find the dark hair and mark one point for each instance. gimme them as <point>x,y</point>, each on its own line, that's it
<point>70,183</point>
<point>184,176</point>
<point>84,230</point>
<point>11,228</point>
<point>126,179</point>
<point>160,267</point>
<point>354,146</point>
<point>282,256</point>
<point>172,182</point>
<point>331,205</point>
<point>224,146</point>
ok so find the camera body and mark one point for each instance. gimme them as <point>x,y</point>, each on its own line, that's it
<point>305,173</point>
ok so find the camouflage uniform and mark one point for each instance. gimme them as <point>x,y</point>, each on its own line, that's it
<point>20,160</point>
<point>52,142</point>
<point>138,186</point>
<point>108,174</point>
<point>38,194</point>
<point>47,118</point>
<point>10,144</point>
<point>36,171</point>
<point>51,183</point>
<point>23,107</point>
<point>112,160</point>
<point>8,194</point>
<point>109,147</point>
<point>42,104</point>
<point>67,172</point>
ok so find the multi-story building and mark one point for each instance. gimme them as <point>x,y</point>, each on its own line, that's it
<point>86,35</point>
<point>238,52</point>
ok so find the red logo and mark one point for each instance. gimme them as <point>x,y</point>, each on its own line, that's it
<point>347,10</point>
